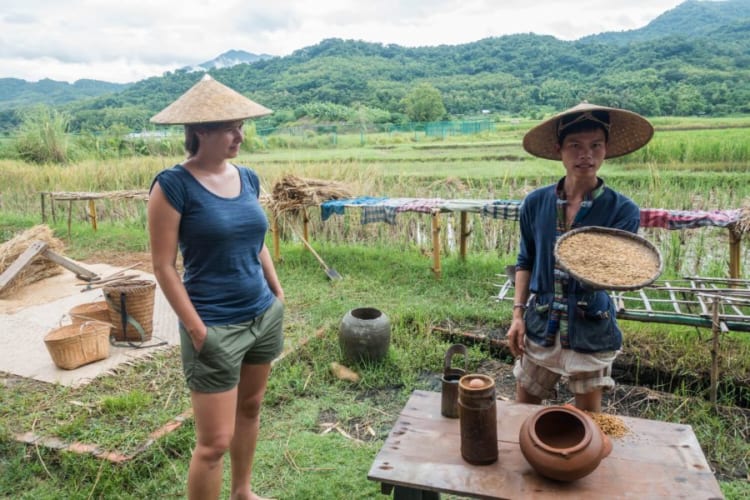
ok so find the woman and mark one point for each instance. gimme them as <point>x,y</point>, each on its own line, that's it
<point>229,300</point>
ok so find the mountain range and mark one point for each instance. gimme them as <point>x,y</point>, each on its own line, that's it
<point>693,59</point>
<point>229,59</point>
<point>17,93</point>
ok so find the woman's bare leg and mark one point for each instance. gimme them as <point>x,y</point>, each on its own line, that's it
<point>252,387</point>
<point>214,415</point>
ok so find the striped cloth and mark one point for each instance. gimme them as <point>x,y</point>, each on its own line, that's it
<point>503,209</point>
<point>381,209</point>
<point>687,219</point>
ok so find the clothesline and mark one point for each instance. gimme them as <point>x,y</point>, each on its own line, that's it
<point>375,209</point>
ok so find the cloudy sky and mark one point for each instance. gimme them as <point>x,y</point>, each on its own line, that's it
<point>129,40</point>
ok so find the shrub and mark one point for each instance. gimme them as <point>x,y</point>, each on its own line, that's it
<point>42,137</point>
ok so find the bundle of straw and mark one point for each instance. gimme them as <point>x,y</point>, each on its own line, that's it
<point>37,269</point>
<point>293,193</point>
<point>742,226</point>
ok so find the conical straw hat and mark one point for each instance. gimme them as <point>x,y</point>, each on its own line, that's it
<point>209,101</point>
<point>628,132</point>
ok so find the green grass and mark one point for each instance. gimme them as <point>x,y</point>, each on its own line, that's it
<point>297,459</point>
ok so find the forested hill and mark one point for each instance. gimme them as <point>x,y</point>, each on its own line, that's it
<point>694,59</point>
<point>694,18</point>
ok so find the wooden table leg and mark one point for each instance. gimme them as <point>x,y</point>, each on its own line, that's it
<point>404,493</point>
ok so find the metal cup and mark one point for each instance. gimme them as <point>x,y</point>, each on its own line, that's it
<point>450,378</point>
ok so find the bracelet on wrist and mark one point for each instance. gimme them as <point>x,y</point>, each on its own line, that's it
<point>520,305</point>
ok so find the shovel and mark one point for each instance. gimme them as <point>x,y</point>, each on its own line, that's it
<point>330,272</point>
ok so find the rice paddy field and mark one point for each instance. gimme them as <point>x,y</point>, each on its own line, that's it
<point>691,164</point>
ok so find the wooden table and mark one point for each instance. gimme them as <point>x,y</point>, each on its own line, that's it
<point>422,458</point>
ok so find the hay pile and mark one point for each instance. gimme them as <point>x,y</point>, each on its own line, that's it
<point>292,193</point>
<point>37,269</point>
<point>742,226</point>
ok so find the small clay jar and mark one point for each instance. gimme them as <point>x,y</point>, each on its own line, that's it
<point>563,443</point>
<point>364,335</point>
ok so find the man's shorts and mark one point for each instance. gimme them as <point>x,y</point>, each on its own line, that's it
<point>216,368</point>
<point>540,382</point>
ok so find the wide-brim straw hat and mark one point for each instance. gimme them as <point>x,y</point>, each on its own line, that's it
<point>628,132</point>
<point>209,101</point>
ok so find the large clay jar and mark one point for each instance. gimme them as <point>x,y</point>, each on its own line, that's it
<point>364,335</point>
<point>563,443</point>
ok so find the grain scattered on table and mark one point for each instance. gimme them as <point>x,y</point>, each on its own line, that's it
<point>610,425</point>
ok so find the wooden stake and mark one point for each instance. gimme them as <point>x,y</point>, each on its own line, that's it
<point>92,214</point>
<point>464,235</point>
<point>436,244</point>
<point>276,245</point>
<point>735,254</point>
<point>44,213</point>
<point>70,216</point>
<point>715,330</point>
<point>305,225</point>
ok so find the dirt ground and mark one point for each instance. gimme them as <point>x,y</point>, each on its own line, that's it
<point>142,260</point>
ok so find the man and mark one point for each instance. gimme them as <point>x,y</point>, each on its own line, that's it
<point>560,328</point>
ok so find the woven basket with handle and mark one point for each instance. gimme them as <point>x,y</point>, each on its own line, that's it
<point>91,311</point>
<point>131,310</point>
<point>72,346</point>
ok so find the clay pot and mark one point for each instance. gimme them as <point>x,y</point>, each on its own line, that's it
<point>563,443</point>
<point>364,335</point>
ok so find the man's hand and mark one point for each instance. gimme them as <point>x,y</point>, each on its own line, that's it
<point>516,334</point>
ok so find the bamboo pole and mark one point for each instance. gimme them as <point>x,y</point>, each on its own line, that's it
<point>44,213</point>
<point>276,244</point>
<point>464,235</point>
<point>734,254</point>
<point>305,225</point>
<point>92,214</point>
<point>70,216</point>
<point>715,330</point>
<point>436,244</point>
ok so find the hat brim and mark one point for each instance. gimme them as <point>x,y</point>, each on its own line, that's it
<point>628,132</point>
<point>209,101</point>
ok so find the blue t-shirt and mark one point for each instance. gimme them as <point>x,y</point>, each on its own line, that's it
<point>220,240</point>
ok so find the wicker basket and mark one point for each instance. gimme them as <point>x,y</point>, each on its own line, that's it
<point>72,346</point>
<point>131,310</point>
<point>626,262</point>
<point>92,311</point>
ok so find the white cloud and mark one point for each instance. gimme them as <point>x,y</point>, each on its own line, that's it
<point>130,40</point>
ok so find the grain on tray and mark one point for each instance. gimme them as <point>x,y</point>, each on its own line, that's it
<point>607,259</point>
<point>610,425</point>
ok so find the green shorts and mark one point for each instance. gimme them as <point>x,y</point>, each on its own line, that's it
<point>216,368</point>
